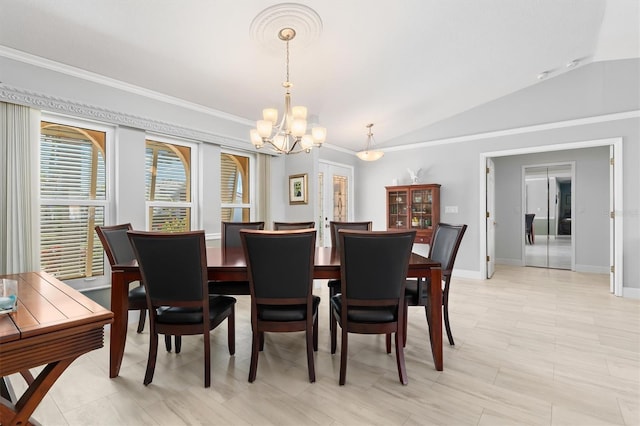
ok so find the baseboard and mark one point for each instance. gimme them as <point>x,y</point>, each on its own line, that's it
<point>631,293</point>
<point>509,262</point>
<point>463,273</point>
<point>592,269</point>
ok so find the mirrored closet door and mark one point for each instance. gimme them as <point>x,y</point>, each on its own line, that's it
<point>548,216</point>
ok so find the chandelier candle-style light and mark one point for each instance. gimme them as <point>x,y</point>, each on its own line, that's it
<point>290,135</point>
<point>369,153</point>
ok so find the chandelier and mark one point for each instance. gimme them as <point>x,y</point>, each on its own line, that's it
<point>369,153</point>
<point>290,135</point>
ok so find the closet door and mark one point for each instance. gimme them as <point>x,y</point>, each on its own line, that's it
<point>548,197</point>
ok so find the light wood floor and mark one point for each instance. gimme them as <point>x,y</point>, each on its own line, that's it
<point>533,346</point>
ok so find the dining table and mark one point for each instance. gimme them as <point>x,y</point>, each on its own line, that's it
<point>230,265</point>
<point>52,326</point>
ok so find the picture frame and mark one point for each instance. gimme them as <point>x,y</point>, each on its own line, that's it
<point>298,189</point>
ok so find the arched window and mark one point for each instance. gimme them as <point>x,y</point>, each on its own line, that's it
<point>73,199</point>
<point>168,186</point>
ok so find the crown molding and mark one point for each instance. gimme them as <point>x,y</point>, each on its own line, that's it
<point>520,130</point>
<point>76,109</point>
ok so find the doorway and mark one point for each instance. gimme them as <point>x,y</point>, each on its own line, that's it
<point>335,198</point>
<point>615,201</point>
<point>547,203</point>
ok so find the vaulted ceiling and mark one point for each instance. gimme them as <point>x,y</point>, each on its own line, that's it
<point>402,65</point>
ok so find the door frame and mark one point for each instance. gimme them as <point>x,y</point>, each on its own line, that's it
<point>615,194</point>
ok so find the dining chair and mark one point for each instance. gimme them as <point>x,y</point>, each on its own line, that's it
<point>284,226</point>
<point>230,239</point>
<point>444,246</point>
<point>528,228</point>
<point>334,285</point>
<point>373,271</point>
<point>118,249</point>
<point>174,270</point>
<point>280,267</point>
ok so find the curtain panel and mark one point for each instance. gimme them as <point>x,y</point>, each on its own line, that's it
<point>19,189</point>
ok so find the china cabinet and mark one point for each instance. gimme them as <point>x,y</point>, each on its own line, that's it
<point>414,207</point>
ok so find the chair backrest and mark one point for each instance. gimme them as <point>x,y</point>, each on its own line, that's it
<point>444,245</point>
<point>230,235</point>
<point>116,243</point>
<point>334,227</point>
<point>528,221</point>
<point>280,264</point>
<point>284,226</point>
<point>374,264</point>
<point>173,266</point>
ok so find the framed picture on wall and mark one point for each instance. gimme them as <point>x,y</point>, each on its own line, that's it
<point>298,189</point>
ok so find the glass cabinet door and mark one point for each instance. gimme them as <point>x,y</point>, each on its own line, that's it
<point>397,203</point>
<point>421,209</point>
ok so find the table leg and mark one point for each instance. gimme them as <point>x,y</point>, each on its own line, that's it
<point>435,317</point>
<point>20,413</point>
<point>120,309</point>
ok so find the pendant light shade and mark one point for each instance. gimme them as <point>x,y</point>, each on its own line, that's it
<point>369,153</point>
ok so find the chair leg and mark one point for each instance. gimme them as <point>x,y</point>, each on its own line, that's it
<point>255,346</point>
<point>207,358</point>
<point>151,360</point>
<point>405,320</point>
<point>344,351</point>
<point>261,341</point>
<point>332,323</point>
<point>167,342</point>
<point>178,343</point>
<point>231,331</point>
<point>333,330</point>
<point>402,370</point>
<point>445,308</point>
<point>388,342</point>
<point>143,316</point>
<point>312,372</point>
<point>315,333</point>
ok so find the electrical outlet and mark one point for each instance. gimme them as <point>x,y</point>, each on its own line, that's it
<point>451,209</point>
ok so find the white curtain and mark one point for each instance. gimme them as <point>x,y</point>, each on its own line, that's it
<point>263,189</point>
<point>19,189</point>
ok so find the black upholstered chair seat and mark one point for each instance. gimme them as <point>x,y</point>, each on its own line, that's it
<point>411,293</point>
<point>284,313</point>
<point>138,294</point>
<point>180,315</point>
<point>365,314</point>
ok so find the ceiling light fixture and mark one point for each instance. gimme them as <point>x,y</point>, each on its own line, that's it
<point>573,63</point>
<point>290,136</point>
<point>543,75</point>
<point>369,153</point>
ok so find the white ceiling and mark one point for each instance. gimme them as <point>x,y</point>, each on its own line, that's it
<point>402,65</point>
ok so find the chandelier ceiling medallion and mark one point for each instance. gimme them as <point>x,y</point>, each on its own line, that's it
<point>289,136</point>
<point>369,153</point>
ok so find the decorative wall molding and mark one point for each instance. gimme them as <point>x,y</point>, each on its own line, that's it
<point>63,106</point>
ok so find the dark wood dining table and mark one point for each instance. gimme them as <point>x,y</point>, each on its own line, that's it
<point>230,265</point>
<point>53,325</point>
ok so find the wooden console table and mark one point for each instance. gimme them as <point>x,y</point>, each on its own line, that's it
<point>53,326</point>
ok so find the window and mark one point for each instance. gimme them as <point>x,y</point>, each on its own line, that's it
<point>235,187</point>
<point>73,199</point>
<point>168,186</point>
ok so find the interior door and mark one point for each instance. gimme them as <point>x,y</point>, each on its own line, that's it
<point>335,182</point>
<point>491,221</point>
